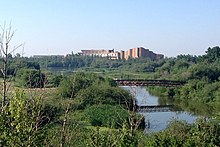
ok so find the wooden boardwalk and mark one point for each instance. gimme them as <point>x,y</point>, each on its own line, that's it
<point>154,108</point>
<point>143,82</point>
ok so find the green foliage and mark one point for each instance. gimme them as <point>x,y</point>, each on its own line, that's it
<point>52,80</point>
<point>20,123</point>
<point>56,80</point>
<point>51,112</point>
<point>80,80</point>
<point>187,58</point>
<point>213,54</point>
<point>30,78</point>
<point>103,94</point>
<point>103,138</point>
<point>180,133</point>
<point>202,75</point>
<point>113,138</point>
<point>199,71</point>
<point>162,91</point>
<point>127,138</point>
<point>163,140</point>
<point>106,116</point>
<point>15,64</point>
<point>199,90</point>
<point>75,135</point>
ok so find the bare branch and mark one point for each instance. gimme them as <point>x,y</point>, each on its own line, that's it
<point>16,47</point>
<point>5,38</point>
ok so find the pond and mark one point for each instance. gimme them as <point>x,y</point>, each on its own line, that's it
<point>156,121</point>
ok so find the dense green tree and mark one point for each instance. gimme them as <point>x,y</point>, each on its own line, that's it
<point>30,78</point>
<point>80,80</point>
<point>180,133</point>
<point>106,115</point>
<point>212,54</point>
<point>56,80</point>
<point>103,94</point>
<point>188,58</point>
<point>20,124</point>
<point>200,71</point>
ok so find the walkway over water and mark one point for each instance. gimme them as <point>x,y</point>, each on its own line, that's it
<point>144,82</point>
<point>157,112</point>
<point>154,108</point>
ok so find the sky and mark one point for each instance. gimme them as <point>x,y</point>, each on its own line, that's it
<point>169,27</point>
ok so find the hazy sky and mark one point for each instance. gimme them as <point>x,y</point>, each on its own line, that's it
<point>170,27</point>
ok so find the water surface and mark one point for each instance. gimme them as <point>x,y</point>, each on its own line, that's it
<point>156,121</point>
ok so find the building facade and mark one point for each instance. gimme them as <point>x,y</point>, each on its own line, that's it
<point>138,52</point>
<point>110,54</point>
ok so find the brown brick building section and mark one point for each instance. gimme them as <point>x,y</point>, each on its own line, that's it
<point>139,52</point>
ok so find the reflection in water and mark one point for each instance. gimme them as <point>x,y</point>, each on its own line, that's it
<point>158,120</point>
<point>195,108</point>
<point>165,101</point>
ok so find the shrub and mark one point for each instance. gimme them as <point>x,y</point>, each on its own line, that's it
<point>106,115</point>
<point>103,94</point>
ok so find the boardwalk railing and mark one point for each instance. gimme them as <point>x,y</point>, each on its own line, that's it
<point>140,82</point>
<point>154,108</point>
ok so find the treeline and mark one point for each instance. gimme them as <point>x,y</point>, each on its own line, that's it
<point>74,61</point>
<point>36,72</point>
<point>24,72</point>
<point>187,67</point>
<point>202,74</point>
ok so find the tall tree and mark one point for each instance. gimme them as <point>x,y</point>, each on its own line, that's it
<point>6,36</point>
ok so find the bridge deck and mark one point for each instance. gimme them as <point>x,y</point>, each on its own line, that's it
<point>141,82</point>
<point>154,108</point>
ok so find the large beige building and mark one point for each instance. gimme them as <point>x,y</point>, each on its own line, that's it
<point>111,54</point>
<point>138,52</point>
